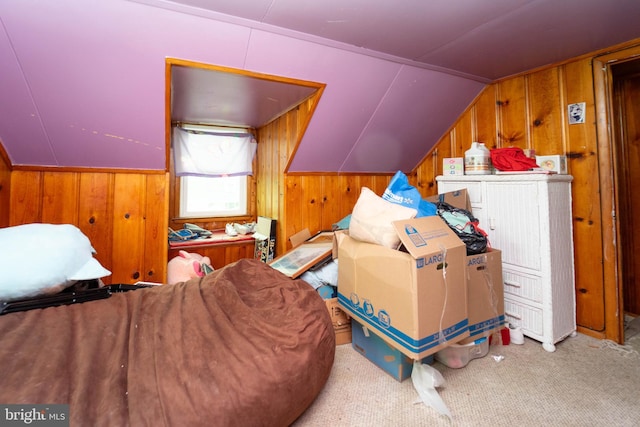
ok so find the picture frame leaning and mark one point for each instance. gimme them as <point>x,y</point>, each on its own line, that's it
<point>304,256</point>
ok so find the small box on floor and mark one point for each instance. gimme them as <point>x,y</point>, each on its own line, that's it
<point>374,348</point>
<point>341,321</point>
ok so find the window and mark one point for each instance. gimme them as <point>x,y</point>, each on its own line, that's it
<point>205,197</point>
<point>212,165</point>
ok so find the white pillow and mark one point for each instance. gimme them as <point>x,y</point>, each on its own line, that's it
<point>372,217</point>
<point>43,259</point>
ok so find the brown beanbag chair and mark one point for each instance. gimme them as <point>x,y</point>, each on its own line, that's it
<point>243,346</point>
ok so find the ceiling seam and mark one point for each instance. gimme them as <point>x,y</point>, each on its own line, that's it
<point>30,91</point>
<point>373,114</point>
<point>484,24</point>
<point>322,41</point>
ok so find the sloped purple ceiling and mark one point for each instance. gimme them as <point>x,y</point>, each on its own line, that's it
<point>83,81</point>
<point>85,85</point>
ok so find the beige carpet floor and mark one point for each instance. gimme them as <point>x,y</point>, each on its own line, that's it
<point>585,382</point>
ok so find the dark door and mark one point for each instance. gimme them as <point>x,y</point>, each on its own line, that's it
<point>626,109</point>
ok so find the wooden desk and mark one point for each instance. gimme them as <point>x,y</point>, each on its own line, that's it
<point>220,248</point>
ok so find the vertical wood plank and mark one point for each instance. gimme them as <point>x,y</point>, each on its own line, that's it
<point>545,115</point>
<point>26,197</point>
<point>60,197</point>
<point>587,221</point>
<point>128,227</point>
<point>512,113</point>
<point>485,117</point>
<point>155,231</point>
<point>95,215</point>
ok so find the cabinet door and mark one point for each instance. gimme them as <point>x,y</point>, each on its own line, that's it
<point>513,225</point>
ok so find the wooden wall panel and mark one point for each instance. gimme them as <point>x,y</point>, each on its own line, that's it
<point>512,113</point>
<point>125,215</point>
<point>529,111</point>
<point>60,198</point>
<point>485,118</point>
<point>581,148</point>
<point>128,225</point>
<point>155,228</point>
<point>95,214</point>
<point>545,112</point>
<point>26,197</point>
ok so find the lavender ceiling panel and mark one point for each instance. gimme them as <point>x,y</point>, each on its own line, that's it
<point>417,110</point>
<point>532,36</point>
<point>99,82</point>
<point>355,84</point>
<point>21,128</point>
<point>407,28</point>
<point>247,9</point>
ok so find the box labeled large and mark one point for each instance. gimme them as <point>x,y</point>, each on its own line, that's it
<point>416,300</point>
<point>485,294</point>
<point>389,359</point>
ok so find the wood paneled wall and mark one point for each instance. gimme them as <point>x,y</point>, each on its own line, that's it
<point>530,112</point>
<point>527,111</point>
<point>124,214</point>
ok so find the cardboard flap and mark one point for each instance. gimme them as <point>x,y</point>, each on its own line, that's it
<point>458,198</point>
<point>420,236</point>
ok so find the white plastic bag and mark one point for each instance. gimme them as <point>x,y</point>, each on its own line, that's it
<point>425,379</point>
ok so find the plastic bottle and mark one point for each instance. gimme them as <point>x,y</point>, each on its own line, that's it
<point>477,160</point>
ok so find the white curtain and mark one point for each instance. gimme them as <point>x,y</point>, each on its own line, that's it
<point>215,153</point>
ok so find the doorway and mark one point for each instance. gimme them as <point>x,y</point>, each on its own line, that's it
<point>617,90</point>
<point>625,104</point>
<point>626,130</point>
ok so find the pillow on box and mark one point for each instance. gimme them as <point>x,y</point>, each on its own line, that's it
<point>372,217</point>
<point>44,259</point>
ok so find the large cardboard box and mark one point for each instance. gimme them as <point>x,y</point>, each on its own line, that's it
<point>416,300</point>
<point>485,294</point>
<point>389,359</point>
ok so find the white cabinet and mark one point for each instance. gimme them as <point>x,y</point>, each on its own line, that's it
<point>528,217</point>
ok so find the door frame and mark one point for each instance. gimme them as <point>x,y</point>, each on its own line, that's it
<point>609,198</point>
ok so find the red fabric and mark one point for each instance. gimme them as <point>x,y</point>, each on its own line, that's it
<point>511,159</point>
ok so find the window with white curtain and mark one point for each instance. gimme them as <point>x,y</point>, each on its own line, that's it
<point>212,165</point>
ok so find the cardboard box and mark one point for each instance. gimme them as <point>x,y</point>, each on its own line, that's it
<point>405,298</point>
<point>555,163</point>
<point>457,198</point>
<point>265,235</point>
<point>374,348</point>
<point>485,291</point>
<point>453,166</point>
<point>341,321</point>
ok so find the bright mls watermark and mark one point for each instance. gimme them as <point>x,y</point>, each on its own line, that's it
<point>34,415</point>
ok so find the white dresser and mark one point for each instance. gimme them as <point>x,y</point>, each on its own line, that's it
<point>528,217</point>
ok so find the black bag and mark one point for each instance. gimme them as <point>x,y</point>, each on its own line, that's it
<point>465,225</point>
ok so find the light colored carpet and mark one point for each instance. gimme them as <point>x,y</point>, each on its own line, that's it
<point>585,382</point>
